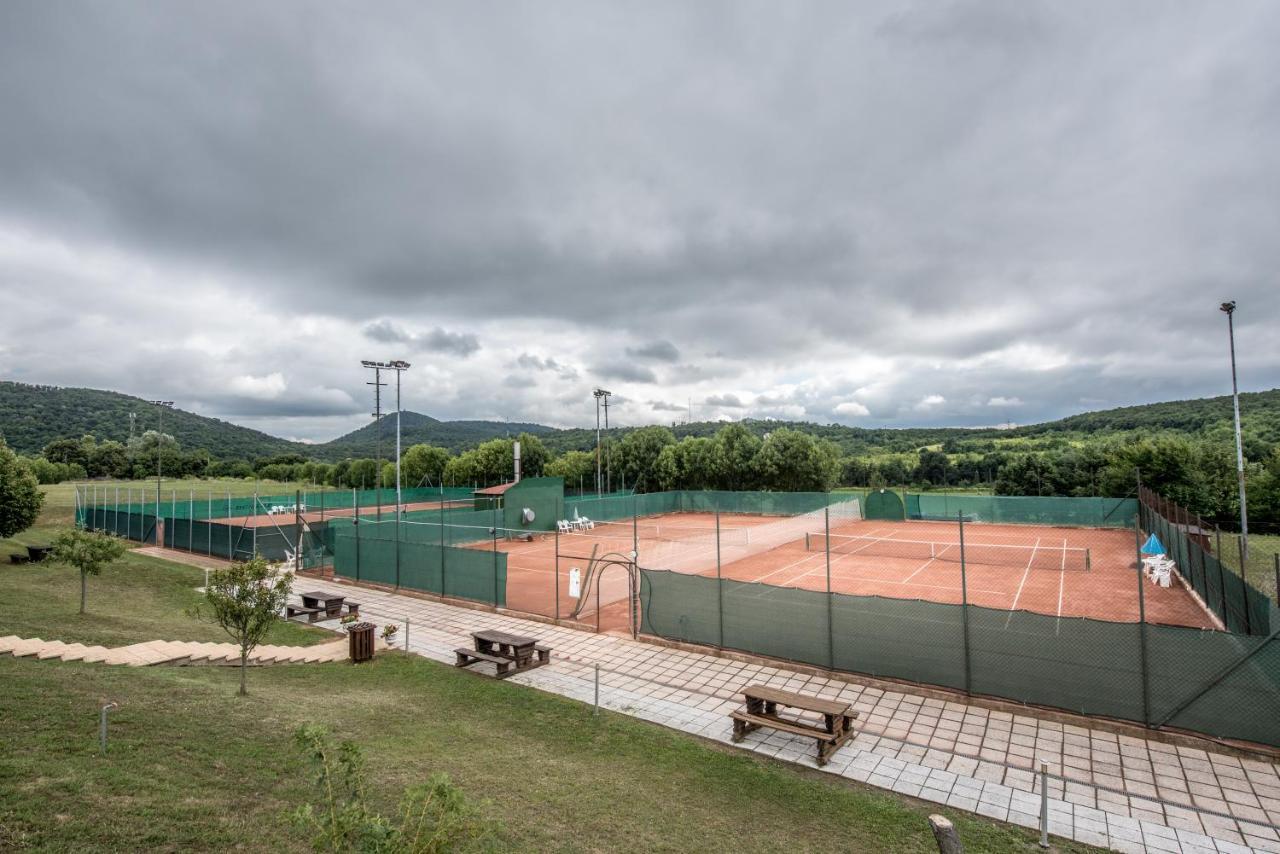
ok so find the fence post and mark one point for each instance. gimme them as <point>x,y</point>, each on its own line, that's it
<point>964,607</point>
<point>443,552</point>
<point>115,521</point>
<point>229,546</point>
<point>1244,586</point>
<point>831,643</point>
<point>1142,624</point>
<point>719,584</point>
<point>1044,805</point>
<point>1277,559</point>
<point>495,555</point>
<point>297,532</point>
<point>557,574</point>
<point>191,515</point>
<point>355,504</point>
<point>397,535</point>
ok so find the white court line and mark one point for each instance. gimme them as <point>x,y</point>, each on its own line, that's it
<point>1025,573</point>
<point>806,559</point>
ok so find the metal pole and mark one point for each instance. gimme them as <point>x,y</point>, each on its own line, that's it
<point>297,531</point>
<point>255,520</point>
<point>1229,308</point>
<point>598,481</point>
<point>115,521</point>
<point>355,505</point>
<point>230,549</point>
<point>495,555</point>
<point>1244,584</point>
<point>398,372</point>
<point>595,707</point>
<point>191,514</point>
<point>831,643</point>
<point>556,574</point>
<point>719,584</point>
<point>1142,618</point>
<point>964,608</point>
<point>397,526</point>
<point>406,634</point>
<point>1044,805</point>
<point>208,526</point>
<point>102,726</point>
<point>444,586</point>
<point>1277,559</point>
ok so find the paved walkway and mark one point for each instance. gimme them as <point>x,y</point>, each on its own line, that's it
<point>1123,792</point>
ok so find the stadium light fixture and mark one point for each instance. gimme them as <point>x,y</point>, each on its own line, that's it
<point>1229,309</point>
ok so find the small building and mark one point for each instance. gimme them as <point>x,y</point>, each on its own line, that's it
<point>491,496</point>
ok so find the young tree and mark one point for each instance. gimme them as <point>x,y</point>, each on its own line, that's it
<point>88,552</point>
<point>245,600</point>
<point>20,495</point>
<point>423,464</point>
<point>435,817</point>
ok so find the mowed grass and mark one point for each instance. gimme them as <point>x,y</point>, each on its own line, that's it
<point>60,500</point>
<point>190,765</point>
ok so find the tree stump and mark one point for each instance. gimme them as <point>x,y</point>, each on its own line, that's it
<point>945,834</point>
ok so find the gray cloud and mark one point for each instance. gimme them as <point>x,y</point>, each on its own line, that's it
<point>726,401</point>
<point>435,340</point>
<point>851,209</point>
<point>658,351</point>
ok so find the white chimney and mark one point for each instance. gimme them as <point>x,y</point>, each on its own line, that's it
<point>517,453</point>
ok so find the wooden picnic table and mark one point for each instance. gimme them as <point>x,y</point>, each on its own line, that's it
<point>318,605</point>
<point>762,702</point>
<point>503,650</point>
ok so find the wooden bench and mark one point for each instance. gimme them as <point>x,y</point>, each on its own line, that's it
<point>761,710</point>
<point>544,653</point>
<point>353,608</point>
<point>468,657</point>
<point>18,558</point>
<point>312,614</point>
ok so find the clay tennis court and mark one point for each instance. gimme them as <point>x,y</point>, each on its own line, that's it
<point>1058,571</point>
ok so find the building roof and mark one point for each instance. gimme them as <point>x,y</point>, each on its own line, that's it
<point>495,490</point>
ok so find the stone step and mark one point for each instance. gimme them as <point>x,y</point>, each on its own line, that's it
<point>51,649</point>
<point>8,642</point>
<point>95,654</point>
<point>74,652</point>
<point>25,647</point>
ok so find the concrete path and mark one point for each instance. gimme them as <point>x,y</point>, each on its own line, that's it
<point>1127,792</point>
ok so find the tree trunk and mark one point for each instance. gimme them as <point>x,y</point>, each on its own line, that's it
<point>944,833</point>
<point>83,584</point>
<point>244,667</point>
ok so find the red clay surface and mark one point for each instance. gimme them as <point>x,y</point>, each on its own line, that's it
<point>1029,578</point>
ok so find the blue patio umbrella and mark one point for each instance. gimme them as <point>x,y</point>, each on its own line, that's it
<point>1152,546</point>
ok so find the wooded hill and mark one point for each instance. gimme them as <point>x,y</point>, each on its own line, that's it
<point>31,416</point>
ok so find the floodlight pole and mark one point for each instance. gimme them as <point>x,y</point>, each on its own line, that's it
<point>377,384</point>
<point>599,394</point>
<point>163,404</point>
<point>1229,309</point>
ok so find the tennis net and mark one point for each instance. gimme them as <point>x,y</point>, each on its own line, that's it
<point>665,531</point>
<point>1042,557</point>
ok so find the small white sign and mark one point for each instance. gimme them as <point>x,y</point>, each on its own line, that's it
<point>575,583</point>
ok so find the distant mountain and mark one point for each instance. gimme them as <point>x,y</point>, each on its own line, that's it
<point>417,428</point>
<point>31,416</point>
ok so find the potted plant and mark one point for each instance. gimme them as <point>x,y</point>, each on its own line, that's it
<point>389,632</point>
<point>348,621</point>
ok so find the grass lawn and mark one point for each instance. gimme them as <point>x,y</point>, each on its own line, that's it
<point>60,501</point>
<point>193,766</point>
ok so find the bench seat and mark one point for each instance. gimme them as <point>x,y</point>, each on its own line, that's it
<point>828,743</point>
<point>312,614</point>
<point>467,657</point>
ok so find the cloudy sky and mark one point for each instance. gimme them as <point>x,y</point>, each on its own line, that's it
<point>875,214</point>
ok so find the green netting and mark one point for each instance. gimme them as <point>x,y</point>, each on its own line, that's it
<point>1006,509</point>
<point>133,525</point>
<point>868,637</point>
<point>180,504</point>
<point>885,504</point>
<point>370,551</point>
<point>1240,606</point>
<point>1201,680</point>
<point>757,503</point>
<point>1087,666</point>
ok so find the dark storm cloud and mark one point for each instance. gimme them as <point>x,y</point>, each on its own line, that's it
<point>435,340</point>
<point>658,351</point>
<point>858,209</point>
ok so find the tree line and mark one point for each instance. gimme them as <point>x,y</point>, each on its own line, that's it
<point>1198,473</point>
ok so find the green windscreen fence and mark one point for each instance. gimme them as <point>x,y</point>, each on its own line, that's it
<point>1218,683</point>
<point>1192,544</point>
<point>1024,510</point>
<point>465,566</point>
<point>178,503</point>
